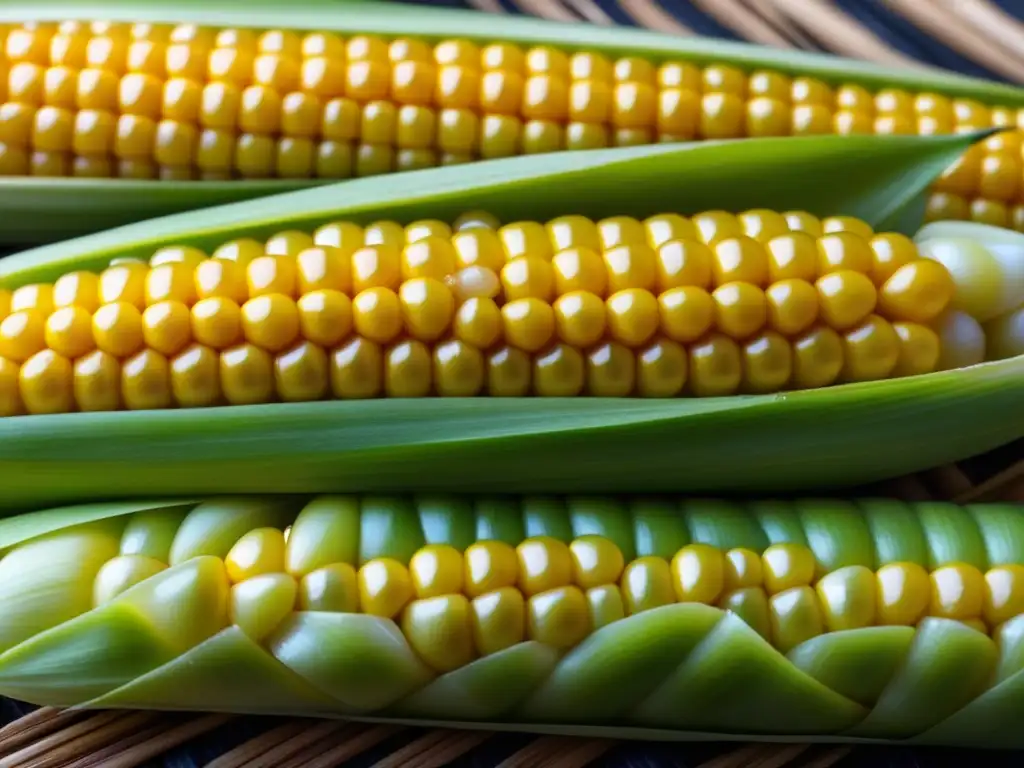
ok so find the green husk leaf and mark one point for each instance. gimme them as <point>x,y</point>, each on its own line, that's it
<point>486,689</point>
<point>617,668</point>
<point>226,673</point>
<point>42,210</point>
<point>948,665</point>
<point>362,661</point>
<point>20,528</point>
<point>791,443</point>
<point>858,663</point>
<point>735,681</point>
<point>880,176</point>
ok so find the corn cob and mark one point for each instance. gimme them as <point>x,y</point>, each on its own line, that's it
<point>193,101</point>
<point>806,439</point>
<point>711,305</point>
<point>872,618</point>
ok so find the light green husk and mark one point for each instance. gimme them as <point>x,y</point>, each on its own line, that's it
<point>835,437</point>
<point>45,210</point>
<point>682,671</point>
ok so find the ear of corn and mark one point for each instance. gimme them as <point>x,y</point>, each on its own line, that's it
<point>609,442</point>
<point>804,619</point>
<point>316,90</point>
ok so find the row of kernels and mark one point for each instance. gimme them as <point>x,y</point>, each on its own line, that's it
<point>946,206</point>
<point>985,172</point>
<point>200,375</point>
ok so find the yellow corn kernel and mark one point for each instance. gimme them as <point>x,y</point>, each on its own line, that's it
<point>408,369</point>
<point>1004,594</point>
<point>525,238</point>
<point>121,573</point>
<point>796,616</point>
<point>633,316</point>
<point>920,349</point>
<point>918,292</point>
<point>579,269</point>
<point>385,587</point>
<point>559,372</point>
<point>69,332</point>
<point>848,598</point>
<point>499,620</point>
<point>288,243</point>
<point>22,334</point>
<point>580,318</point>
<point>629,264</point>
<point>716,367</point>
<point>847,224</point>
<point>661,369</point>
<point>195,380</point>
<point>596,561</point>
<point>698,574</point>
<point>870,351</point>
<point>37,297</point>
<point>472,283</point>
<point>606,605</point>
<point>528,324</point>
<point>257,552</point>
<point>528,277</point>
<point>221,278</point>
<point>117,329</point>
<point>751,605</point>
<point>270,321</point>
<point>544,564</point>
<point>440,630</point>
<point>145,381</point>
<point>10,395</point>
<point>76,289</point>
<point>215,322</point>
<point>957,592</point>
<point>742,568</point>
<point>97,382</point>
<point>377,313</point>
<point>325,317</point>
<point>741,309</point>
<point>647,582</point>
<point>45,383</point>
<point>845,298</point>
<point>611,370</point>
<point>489,566</point>
<point>246,374</point>
<point>333,588</point>
<point>478,322</point>
<point>767,363</point>
<point>843,251</point>
<point>261,603</point>
<point>787,566</point>
<point>357,369</point>
<point>889,252</point>
<point>558,617</point>
<point>301,373</point>
<point>686,313</point>
<point>792,306</point>
<point>436,569</point>
<point>818,358</point>
<point>272,274</point>
<point>376,264</point>
<point>458,370</point>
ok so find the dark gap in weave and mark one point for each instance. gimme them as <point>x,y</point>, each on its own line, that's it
<point>926,757</point>
<point>1010,7</point>
<point>655,754</point>
<point>932,51</point>
<point>697,20</point>
<point>211,745</point>
<point>615,12</point>
<point>391,744</point>
<point>906,39</point>
<point>494,750</point>
<point>981,468</point>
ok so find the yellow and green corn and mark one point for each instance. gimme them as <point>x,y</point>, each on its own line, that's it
<point>861,618</point>
<point>147,101</point>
